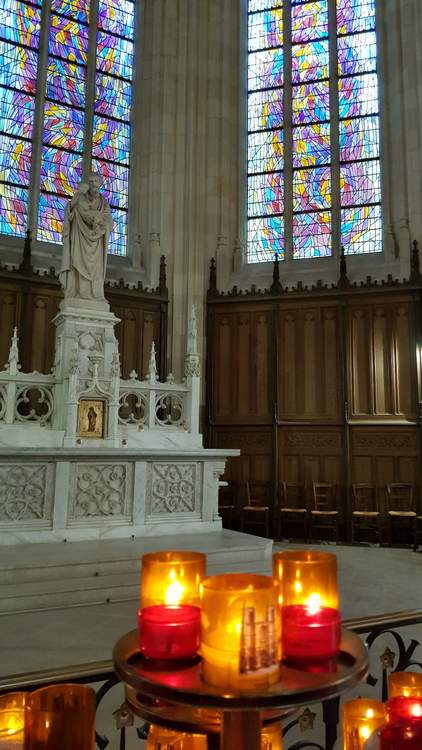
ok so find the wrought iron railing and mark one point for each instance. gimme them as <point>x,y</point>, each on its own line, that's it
<point>322,735</point>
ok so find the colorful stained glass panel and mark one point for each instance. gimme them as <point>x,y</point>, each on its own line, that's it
<point>116,182</point>
<point>266,194</point>
<point>265,69</point>
<point>63,126</point>
<point>309,21</point>
<point>265,109</point>
<point>265,151</point>
<point>311,145</point>
<point>76,9</point>
<point>66,82</point>
<point>311,189</point>
<point>358,95</point>
<point>310,61</point>
<point>118,237</point>
<point>265,238</point>
<point>111,140</point>
<point>312,235</point>
<point>355,15</point>
<point>311,102</point>
<point>357,54</point>
<point>359,138</point>
<point>68,39</point>
<point>360,183</point>
<point>256,5</point>
<point>113,97</point>
<point>265,30</point>
<point>15,160</point>
<point>20,22</point>
<point>16,112</point>
<point>361,229</point>
<point>61,171</point>
<point>13,210</point>
<point>114,55</point>
<point>117,16</point>
<point>18,67</point>
<point>50,217</point>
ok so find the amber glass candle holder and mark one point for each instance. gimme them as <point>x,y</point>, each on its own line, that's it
<point>168,618</point>
<point>406,684</point>
<point>308,595</point>
<point>240,631</point>
<point>12,721</point>
<point>271,737</point>
<point>60,717</point>
<point>361,718</point>
<point>166,739</point>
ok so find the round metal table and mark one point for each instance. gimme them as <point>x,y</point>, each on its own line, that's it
<point>175,695</point>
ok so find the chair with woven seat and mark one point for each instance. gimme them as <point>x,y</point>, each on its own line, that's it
<point>324,511</point>
<point>256,512</point>
<point>401,507</point>
<point>366,514</point>
<point>293,507</point>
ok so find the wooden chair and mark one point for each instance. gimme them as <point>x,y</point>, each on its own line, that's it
<point>292,507</point>
<point>324,512</point>
<point>226,503</point>
<point>256,512</point>
<point>366,515</point>
<point>401,507</point>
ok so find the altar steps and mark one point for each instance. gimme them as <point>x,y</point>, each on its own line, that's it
<point>51,576</point>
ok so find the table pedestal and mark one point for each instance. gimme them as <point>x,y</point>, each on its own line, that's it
<point>241,729</point>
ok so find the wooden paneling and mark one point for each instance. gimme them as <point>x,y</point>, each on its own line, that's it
<point>240,375</point>
<point>309,454</point>
<point>31,303</point>
<point>341,366</point>
<point>309,382</point>
<point>382,358</point>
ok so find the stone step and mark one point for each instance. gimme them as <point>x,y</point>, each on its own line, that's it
<point>86,573</point>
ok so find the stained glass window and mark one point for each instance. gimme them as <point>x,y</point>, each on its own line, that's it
<point>313,129</point>
<point>83,79</point>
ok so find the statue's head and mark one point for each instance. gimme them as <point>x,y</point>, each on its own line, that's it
<point>95,181</point>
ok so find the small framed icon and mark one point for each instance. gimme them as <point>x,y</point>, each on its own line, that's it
<point>91,418</point>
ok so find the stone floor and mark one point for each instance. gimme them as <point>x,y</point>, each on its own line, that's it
<point>372,581</point>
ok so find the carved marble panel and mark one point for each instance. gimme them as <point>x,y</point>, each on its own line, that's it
<point>100,491</point>
<point>173,488</point>
<point>26,493</point>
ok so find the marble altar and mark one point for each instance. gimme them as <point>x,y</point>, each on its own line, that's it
<point>85,454</point>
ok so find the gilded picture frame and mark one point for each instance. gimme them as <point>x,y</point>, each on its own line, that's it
<point>91,418</point>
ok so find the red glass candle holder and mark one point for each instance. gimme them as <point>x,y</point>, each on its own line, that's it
<point>169,632</point>
<point>404,728</point>
<point>308,595</point>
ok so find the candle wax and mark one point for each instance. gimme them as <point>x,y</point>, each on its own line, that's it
<point>169,632</point>
<point>310,634</point>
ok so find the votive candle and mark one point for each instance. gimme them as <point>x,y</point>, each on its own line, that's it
<point>240,631</point>
<point>361,718</point>
<point>406,684</point>
<point>60,717</point>
<point>308,596</point>
<point>403,730</point>
<point>166,739</point>
<point>169,618</point>
<point>271,737</point>
<point>12,721</point>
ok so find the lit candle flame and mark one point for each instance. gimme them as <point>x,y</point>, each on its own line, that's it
<point>365,732</point>
<point>416,710</point>
<point>313,604</point>
<point>174,593</point>
<point>370,713</point>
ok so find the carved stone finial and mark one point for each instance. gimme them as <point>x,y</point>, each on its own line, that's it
<point>13,362</point>
<point>212,288</point>
<point>192,338</point>
<point>276,287</point>
<point>162,288</point>
<point>152,368</point>
<point>415,272</point>
<point>343,281</point>
<point>26,265</point>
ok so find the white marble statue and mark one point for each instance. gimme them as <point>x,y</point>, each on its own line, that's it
<point>86,231</point>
